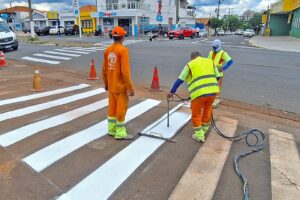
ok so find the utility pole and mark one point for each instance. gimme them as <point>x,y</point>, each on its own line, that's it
<point>31,20</point>
<point>218,10</point>
<point>177,11</point>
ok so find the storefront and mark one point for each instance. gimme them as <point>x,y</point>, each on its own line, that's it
<point>136,16</point>
<point>88,23</point>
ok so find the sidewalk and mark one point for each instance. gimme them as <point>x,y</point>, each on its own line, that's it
<point>281,43</point>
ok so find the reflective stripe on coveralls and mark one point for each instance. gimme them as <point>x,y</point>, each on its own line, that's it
<point>203,78</point>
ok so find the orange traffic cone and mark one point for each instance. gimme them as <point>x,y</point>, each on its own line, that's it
<point>37,82</point>
<point>2,60</point>
<point>93,73</point>
<point>155,81</point>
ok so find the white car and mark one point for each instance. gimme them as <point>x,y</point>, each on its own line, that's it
<point>239,32</point>
<point>220,32</point>
<point>203,33</point>
<point>249,33</point>
<point>228,33</point>
<point>54,30</point>
<point>8,39</point>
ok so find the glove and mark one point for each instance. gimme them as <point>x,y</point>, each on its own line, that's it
<point>130,93</point>
<point>170,95</point>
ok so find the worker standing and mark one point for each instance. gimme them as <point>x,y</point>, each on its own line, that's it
<point>201,77</point>
<point>222,60</point>
<point>117,81</point>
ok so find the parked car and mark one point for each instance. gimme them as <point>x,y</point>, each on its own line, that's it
<point>249,33</point>
<point>228,33</point>
<point>43,31</point>
<point>220,32</point>
<point>54,30</point>
<point>72,30</point>
<point>27,30</point>
<point>182,32</point>
<point>203,33</point>
<point>8,39</point>
<point>239,32</point>
<point>110,33</point>
<point>155,30</point>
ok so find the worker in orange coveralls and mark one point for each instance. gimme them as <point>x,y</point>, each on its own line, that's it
<point>117,81</point>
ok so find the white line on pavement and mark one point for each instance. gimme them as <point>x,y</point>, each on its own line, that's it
<point>43,94</point>
<point>285,165</point>
<point>101,183</point>
<point>49,56</point>
<point>63,54</point>
<point>19,134</point>
<point>70,51</point>
<point>81,49</point>
<point>40,60</point>
<point>51,154</point>
<point>47,105</point>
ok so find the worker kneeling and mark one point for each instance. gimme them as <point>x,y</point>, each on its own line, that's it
<point>117,81</point>
<point>201,76</point>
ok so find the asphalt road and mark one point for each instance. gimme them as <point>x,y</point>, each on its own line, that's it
<point>258,76</point>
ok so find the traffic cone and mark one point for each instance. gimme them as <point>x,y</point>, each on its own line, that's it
<point>2,60</point>
<point>93,73</point>
<point>37,82</point>
<point>155,81</point>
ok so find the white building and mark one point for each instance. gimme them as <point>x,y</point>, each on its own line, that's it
<point>67,18</point>
<point>136,15</point>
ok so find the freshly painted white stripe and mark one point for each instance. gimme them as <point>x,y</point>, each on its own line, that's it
<point>96,48</point>
<point>49,56</point>
<point>101,183</point>
<point>43,94</point>
<point>64,50</point>
<point>19,134</point>
<point>47,105</point>
<point>63,54</point>
<point>40,60</point>
<point>51,154</point>
<point>80,49</point>
<point>285,166</point>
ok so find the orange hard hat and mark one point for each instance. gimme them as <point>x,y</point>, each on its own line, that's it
<point>118,31</point>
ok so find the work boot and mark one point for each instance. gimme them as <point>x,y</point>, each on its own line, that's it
<point>112,125</point>
<point>199,135</point>
<point>121,133</point>
<point>206,128</point>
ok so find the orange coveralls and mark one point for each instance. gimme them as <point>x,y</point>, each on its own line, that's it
<point>116,77</point>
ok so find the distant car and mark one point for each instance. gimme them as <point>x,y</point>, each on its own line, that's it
<point>249,33</point>
<point>228,33</point>
<point>182,32</point>
<point>220,33</point>
<point>28,30</point>
<point>239,32</point>
<point>203,33</point>
<point>54,30</point>
<point>155,31</point>
<point>8,39</point>
<point>72,30</point>
<point>110,33</point>
<point>43,31</point>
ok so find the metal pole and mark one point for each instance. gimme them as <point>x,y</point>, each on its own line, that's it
<point>79,21</point>
<point>177,11</point>
<point>218,10</point>
<point>31,20</point>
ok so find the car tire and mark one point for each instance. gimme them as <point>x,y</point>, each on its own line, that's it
<point>170,38</point>
<point>16,48</point>
<point>192,36</point>
<point>181,37</point>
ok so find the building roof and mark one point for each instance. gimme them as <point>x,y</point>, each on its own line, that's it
<point>15,9</point>
<point>88,8</point>
<point>204,21</point>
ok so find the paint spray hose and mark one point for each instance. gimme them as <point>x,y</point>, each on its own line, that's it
<point>257,145</point>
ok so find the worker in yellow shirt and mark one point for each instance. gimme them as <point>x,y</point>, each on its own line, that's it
<point>201,77</point>
<point>117,81</point>
<point>222,60</point>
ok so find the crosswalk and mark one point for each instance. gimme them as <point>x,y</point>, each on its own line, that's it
<point>59,55</point>
<point>103,180</point>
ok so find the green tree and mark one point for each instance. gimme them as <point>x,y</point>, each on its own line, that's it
<point>255,21</point>
<point>232,22</point>
<point>216,23</point>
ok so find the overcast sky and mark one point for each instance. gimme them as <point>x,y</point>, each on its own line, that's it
<point>204,7</point>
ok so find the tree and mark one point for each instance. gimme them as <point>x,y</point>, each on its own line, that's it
<point>255,21</point>
<point>216,23</point>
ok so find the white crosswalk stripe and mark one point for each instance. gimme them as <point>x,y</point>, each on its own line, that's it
<point>49,56</point>
<point>72,51</point>
<point>41,60</point>
<point>43,94</point>
<point>63,54</point>
<point>47,105</point>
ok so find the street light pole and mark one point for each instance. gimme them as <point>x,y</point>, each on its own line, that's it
<point>177,11</point>
<point>218,10</point>
<point>31,20</point>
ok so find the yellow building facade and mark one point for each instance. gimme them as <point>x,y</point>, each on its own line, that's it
<point>88,24</point>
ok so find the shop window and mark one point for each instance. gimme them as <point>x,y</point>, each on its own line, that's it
<point>87,24</point>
